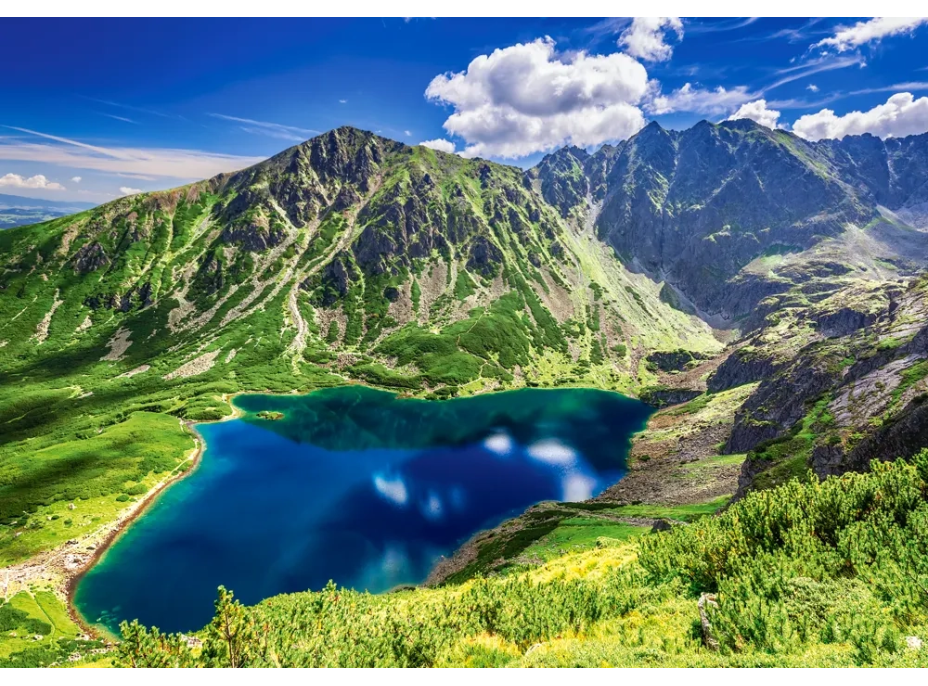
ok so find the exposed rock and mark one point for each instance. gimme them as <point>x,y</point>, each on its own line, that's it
<point>745,365</point>
<point>199,365</point>
<point>89,258</point>
<point>118,345</point>
<point>662,396</point>
<point>484,257</point>
<point>674,360</point>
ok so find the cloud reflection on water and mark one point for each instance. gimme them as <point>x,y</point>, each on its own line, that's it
<point>393,489</point>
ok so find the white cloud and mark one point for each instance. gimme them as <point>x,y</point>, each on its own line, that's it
<point>700,100</point>
<point>528,98</point>
<point>407,133</point>
<point>269,128</point>
<point>343,102</point>
<point>187,165</point>
<point>645,37</point>
<point>38,182</point>
<point>439,144</point>
<point>812,87</point>
<point>757,111</point>
<point>76,179</point>
<point>901,115</point>
<point>863,32</point>
<point>125,190</point>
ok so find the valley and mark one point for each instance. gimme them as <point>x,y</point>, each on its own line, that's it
<point>762,293</point>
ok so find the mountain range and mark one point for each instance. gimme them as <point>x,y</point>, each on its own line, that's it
<point>16,210</point>
<point>353,257</point>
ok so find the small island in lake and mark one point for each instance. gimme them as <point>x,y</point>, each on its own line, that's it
<point>270,416</point>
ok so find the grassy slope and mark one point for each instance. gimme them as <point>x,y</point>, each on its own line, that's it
<point>93,380</point>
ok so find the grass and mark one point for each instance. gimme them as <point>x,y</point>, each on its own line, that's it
<point>89,473</point>
<point>36,631</point>
<point>680,513</point>
<point>580,533</point>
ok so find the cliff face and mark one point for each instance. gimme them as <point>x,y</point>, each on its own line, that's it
<point>734,213</point>
<point>842,382</point>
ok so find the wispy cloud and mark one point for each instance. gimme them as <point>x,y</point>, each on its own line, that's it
<point>133,108</point>
<point>800,103</point>
<point>795,35</point>
<point>118,118</point>
<point>907,86</point>
<point>816,66</point>
<point>149,163</point>
<point>693,27</point>
<point>851,37</point>
<point>269,128</point>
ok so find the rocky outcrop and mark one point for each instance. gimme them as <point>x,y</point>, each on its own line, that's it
<point>662,396</point>
<point>778,403</point>
<point>252,237</point>
<point>745,365</point>
<point>484,257</point>
<point>89,258</point>
<point>900,437</point>
<point>674,360</point>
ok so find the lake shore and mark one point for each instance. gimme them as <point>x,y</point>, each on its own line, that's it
<point>63,567</point>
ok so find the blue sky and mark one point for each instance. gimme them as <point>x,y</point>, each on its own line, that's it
<point>125,105</point>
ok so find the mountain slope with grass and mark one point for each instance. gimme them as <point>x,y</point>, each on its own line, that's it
<point>349,258</point>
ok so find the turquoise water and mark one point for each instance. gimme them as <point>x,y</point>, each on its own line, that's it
<point>353,485</point>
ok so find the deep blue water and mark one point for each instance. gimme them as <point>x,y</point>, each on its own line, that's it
<point>356,486</point>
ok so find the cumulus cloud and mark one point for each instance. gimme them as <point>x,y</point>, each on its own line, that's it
<point>528,98</point>
<point>76,179</point>
<point>901,115</point>
<point>125,190</point>
<point>863,32</point>
<point>701,100</point>
<point>439,144</point>
<point>142,163</point>
<point>812,87</point>
<point>38,182</point>
<point>759,112</point>
<point>645,38</point>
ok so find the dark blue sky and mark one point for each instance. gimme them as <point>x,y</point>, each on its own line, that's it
<point>144,104</point>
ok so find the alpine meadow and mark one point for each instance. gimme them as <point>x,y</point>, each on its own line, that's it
<point>594,369</point>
